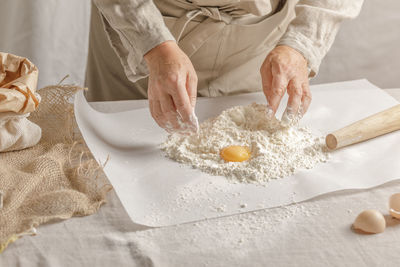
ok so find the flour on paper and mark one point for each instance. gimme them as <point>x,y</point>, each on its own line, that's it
<point>277,149</point>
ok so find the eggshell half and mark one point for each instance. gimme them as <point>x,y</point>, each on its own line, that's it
<point>394,205</point>
<point>370,221</point>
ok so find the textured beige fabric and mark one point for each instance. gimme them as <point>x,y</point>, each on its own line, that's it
<point>135,26</point>
<point>17,132</point>
<point>226,54</point>
<point>312,233</point>
<point>225,40</point>
<point>314,29</point>
<point>105,76</point>
<point>52,180</point>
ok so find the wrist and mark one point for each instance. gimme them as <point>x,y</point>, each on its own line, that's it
<point>294,51</point>
<point>159,50</point>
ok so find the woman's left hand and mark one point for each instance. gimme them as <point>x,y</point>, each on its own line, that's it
<point>285,69</point>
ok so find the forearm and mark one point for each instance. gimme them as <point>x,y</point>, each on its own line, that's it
<point>314,29</point>
<point>134,27</point>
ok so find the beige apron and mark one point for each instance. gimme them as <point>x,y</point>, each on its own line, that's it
<point>226,44</point>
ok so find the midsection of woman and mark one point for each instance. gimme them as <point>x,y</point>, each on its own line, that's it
<point>226,44</point>
<point>210,48</point>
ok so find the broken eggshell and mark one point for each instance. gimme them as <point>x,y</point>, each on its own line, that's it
<point>370,221</point>
<point>394,205</point>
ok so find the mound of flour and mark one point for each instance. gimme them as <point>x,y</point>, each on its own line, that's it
<point>277,149</point>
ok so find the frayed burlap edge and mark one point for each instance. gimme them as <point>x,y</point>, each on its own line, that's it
<point>55,116</point>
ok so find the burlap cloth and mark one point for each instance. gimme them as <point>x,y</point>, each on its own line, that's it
<point>56,179</point>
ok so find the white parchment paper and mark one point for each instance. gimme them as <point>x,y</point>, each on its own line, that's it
<point>157,191</point>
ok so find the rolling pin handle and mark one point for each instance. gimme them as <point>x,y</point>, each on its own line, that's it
<point>378,124</point>
<point>331,141</point>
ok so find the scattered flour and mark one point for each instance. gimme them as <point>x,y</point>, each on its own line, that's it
<point>277,148</point>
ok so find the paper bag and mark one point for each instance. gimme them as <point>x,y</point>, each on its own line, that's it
<point>18,81</point>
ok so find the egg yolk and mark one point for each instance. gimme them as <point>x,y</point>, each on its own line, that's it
<point>235,153</point>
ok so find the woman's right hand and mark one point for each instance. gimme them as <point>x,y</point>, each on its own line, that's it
<point>172,88</point>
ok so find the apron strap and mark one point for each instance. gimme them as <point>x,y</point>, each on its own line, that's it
<point>182,22</point>
<point>215,22</point>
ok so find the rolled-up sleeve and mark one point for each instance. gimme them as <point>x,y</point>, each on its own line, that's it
<point>133,27</point>
<point>315,26</point>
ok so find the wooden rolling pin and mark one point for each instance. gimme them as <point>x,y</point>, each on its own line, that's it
<point>376,125</point>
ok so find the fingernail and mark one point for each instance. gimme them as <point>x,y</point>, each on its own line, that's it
<point>270,112</point>
<point>194,122</point>
<point>287,117</point>
<point>289,110</point>
<point>186,128</point>
<point>169,128</point>
<point>290,118</point>
<point>301,111</point>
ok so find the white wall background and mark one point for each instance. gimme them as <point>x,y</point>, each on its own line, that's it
<point>54,35</point>
<point>367,47</point>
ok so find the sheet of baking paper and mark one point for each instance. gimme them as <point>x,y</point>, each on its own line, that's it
<point>157,191</point>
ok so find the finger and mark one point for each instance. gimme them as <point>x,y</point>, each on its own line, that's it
<point>306,98</point>
<point>168,109</point>
<point>278,89</point>
<point>181,101</point>
<point>156,112</point>
<point>191,85</point>
<point>295,92</point>
<point>266,79</point>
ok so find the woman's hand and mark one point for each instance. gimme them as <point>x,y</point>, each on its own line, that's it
<point>286,69</point>
<point>172,88</point>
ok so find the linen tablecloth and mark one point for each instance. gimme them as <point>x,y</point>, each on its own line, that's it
<point>312,233</point>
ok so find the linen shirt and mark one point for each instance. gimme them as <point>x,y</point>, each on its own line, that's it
<point>134,27</point>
